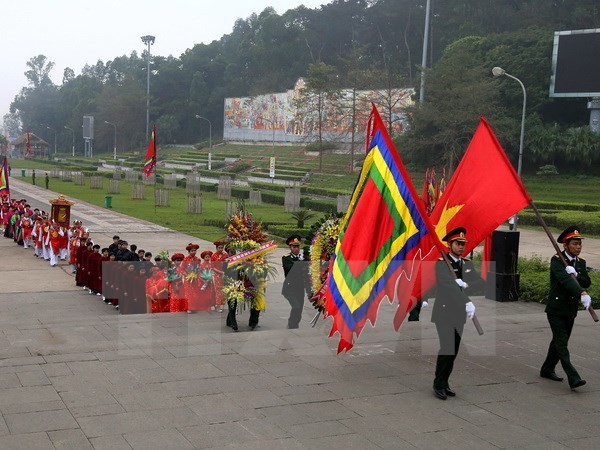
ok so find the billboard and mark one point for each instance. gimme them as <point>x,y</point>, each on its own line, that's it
<point>576,64</point>
<point>88,127</point>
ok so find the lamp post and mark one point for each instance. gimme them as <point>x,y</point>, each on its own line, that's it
<point>115,146</point>
<point>498,72</point>
<point>148,40</point>
<point>54,131</point>
<point>424,58</point>
<point>209,130</point>
<point>72,138</point>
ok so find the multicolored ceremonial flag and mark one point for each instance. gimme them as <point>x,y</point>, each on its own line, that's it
<point>431,189</point>
<point>150,161</point>
<point>381,241</point>
<point>4,184</point>
<point>27,145</point>
<point>484,191</point>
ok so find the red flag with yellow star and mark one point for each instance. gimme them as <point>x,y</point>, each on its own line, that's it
<point>484,191</point>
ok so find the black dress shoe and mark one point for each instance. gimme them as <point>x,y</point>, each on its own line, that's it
<point>577,384</point>
<point>234,327</point>
<point>551,376</point>
<point>450,392</point>
<point>440,393</point>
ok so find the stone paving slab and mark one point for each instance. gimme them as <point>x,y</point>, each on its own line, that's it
<point>75,374</point>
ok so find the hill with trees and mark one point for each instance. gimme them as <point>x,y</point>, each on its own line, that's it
<point>371,44</point>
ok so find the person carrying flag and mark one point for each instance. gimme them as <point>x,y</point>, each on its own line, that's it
<point>452,306</point>
<point>565,294</point>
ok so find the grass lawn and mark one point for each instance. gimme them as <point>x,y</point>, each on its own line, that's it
<point>576,189</point>
<point>175,216</point>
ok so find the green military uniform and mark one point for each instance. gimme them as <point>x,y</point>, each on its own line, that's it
<point>561,310</point>
<point>450,308</point>
<point>449,313</point>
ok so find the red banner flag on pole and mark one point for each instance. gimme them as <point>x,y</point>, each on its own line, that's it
<point>150,161</point>
<point>484,191</point>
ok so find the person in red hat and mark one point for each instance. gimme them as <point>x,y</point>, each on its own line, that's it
<point>452,307</point>
<point>177,300</point>
<point>191,271</point>
<point>567,288</point>
<point>218,258</point>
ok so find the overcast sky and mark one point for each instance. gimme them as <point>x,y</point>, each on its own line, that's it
<point>72,33</point>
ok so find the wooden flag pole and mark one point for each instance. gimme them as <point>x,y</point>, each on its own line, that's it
<point>451,269</point>
<point>558,252</point>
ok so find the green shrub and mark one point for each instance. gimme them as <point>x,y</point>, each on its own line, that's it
<point>535,281</point>
<point>326,206</point>
<point>547,170</point>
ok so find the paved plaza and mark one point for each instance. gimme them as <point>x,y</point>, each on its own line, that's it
<point>76,374</point>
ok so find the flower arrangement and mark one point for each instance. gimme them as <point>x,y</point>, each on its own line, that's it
<point>243,227</point>
<point>245,282</point>
<point>322,247</point>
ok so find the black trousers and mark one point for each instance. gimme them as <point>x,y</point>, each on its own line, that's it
<point>296,301</point>
<point>449,337</point>
<point>558,350</point>
<point>231,320</point>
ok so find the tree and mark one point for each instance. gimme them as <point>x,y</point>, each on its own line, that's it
<point>321,83</point>
<point>460,90</point>
<point>38,74</point>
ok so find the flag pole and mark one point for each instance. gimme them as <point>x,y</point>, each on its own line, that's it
<point>451,269</point>
<point>558,252</point>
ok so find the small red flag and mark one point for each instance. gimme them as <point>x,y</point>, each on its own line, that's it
<point>150,161</point>
<point>484,191</point>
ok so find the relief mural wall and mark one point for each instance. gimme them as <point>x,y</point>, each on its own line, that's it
<point>293,117</point>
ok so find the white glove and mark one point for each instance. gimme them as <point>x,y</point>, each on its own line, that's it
<point>570,270</point>
<point>424,304</point>
<point>461,283</point>
<point>586,300</point>
<point>470,308</point>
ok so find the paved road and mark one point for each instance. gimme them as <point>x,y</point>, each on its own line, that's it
<point>74,374</point>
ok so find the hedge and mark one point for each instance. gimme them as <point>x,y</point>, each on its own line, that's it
<point>284,231</point>
<point>589,222</point>
<point>535,281</point>
<point>566,206</point>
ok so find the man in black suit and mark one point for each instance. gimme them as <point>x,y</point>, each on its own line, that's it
<point>297,281</point>
<point>452,307</point>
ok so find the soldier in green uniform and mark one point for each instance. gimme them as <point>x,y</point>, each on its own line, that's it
<point>451,308</point>
<point>563,302</point>
<point>297,281</point>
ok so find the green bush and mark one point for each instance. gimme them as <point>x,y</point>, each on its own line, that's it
<point>326,206</point>
<point>284,231</point>
<point>535,281</point>
<point>547,170</point>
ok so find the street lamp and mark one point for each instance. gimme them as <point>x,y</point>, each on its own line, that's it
<point>72,138</point>
<point>54,131</point>
<point>115,147</point>
<point>209,130</point>
<point>148,40</point>
<point>498,72</point>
